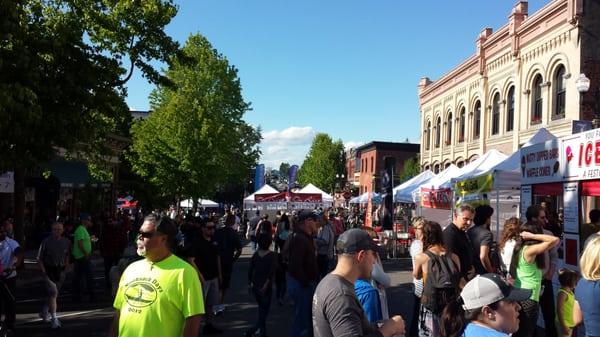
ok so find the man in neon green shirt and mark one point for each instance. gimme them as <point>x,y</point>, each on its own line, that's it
<point>160,295</point>
<point>82,251</point>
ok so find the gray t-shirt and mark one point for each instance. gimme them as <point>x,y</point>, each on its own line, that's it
<point>337,312</point>
<point>54,252</point>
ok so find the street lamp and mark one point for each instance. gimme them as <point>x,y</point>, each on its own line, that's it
<point>583,86</point>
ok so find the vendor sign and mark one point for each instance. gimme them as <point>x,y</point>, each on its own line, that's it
<point>474,191</point>
<point>540,163</point>
<point>436,198</point>
<point>582,156</point>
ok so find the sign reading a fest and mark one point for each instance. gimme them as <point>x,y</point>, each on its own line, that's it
<point>582,155</point>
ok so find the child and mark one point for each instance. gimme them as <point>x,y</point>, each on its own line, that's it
<point>564,302</point>
<point>260,281</point>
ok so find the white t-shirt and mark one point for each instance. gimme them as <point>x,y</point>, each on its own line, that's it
<point>507,252</point>
<point>416,247</point>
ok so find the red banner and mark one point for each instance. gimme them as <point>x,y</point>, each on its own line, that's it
<point>432,198</point>
<point>291,197</point>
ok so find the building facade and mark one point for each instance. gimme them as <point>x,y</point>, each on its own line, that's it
<point>365,164</point>
<point>521,78</point>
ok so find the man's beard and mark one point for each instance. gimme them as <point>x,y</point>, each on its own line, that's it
<point>142,251</point>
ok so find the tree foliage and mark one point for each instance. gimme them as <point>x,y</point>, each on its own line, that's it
<point>63,66</point>
<point>195,142</point>
<point>284,170</point>
<point>411,169</point>
<point>324,160</point>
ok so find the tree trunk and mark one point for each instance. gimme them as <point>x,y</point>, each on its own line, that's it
<point>19,177</point>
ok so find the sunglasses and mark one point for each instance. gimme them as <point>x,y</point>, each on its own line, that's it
<point>146,235</point>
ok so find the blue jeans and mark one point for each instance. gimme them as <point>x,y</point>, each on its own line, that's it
<point>302,297</point>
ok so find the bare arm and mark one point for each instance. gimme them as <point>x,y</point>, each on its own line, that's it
<point>191,327</point>
<point>547,242</point>
<point>577,314</point>
<point>420,260</point>
<point>484,257</point>
<point>114,327</point>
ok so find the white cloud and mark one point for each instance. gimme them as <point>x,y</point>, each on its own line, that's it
<point>286,146</point>
<point>352,144</point>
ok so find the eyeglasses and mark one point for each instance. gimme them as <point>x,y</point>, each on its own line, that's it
<point>146,235</point>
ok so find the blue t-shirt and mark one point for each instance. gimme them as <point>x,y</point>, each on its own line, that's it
<point>368,297</point>
<point>587,294</point>
<point>476,330</point>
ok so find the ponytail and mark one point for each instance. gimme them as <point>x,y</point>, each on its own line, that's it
<point>453,321</point>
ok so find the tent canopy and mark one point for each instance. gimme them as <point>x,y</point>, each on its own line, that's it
<point>507,174</point>
<point>404,191</point>
<point>266,189</point>
<point>480,165</point>
<point>312,189</point>
<point>364,198</point>
<point>189,203</point>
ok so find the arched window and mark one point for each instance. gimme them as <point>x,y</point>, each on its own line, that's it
<point>438,130</point>
<point>510,109</point>
<point>536,100</point>
<point>436,169</point>
<point>560,89</point>
<point>477,120</point>
<point>461,126</point>
<point>496,114</point>
<point>449,130</point>
<point>428,136</point>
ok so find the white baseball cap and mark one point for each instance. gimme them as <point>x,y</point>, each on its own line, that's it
<point>490,288</point>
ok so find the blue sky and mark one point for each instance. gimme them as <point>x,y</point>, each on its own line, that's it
<point>348,68</point>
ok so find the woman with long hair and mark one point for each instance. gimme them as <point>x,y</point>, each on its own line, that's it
<point>487,306</point>
<point>433,248</point>
<point>528,262</point>
<point>587,293</point>
<point>416,248</point>
<point>508,240</point>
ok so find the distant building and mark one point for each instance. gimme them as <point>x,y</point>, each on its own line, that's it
<point>366,163</point>
<point>521,78</point>
<point>139,114</point>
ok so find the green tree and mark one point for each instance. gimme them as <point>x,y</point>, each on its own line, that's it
<point>324,160</point>
<point>195,143</point>
<point>284,170</point>
<point>411,169</point>
<point>63,64</point>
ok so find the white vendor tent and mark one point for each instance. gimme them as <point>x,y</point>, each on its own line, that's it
<point>404,191</point>
<point>249,200</point>
<point>206,203</point>
<point>364,198</point>
<point>442,216</point>
<point>479,166</point>
<point>312,189</point>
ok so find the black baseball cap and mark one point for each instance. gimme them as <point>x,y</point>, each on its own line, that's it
<point>306,214</point>
<point>354,240</point>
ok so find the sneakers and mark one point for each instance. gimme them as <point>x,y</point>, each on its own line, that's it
<point>55,324</point>
<point>218,309</point>
<point>44,315</point>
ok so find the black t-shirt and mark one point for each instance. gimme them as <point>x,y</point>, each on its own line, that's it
<point>479,236</point>
<point>229,243</point>
<point>205,255</point>
<point>457,242</point>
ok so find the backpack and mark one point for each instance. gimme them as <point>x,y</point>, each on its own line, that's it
<point>441,285</point>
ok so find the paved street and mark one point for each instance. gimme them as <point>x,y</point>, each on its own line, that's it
<point>93,319</point>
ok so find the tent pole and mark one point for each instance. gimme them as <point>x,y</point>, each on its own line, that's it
<point>497,214</point>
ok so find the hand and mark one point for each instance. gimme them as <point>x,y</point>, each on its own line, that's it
<point>527,235</point>
<point>393,326</point>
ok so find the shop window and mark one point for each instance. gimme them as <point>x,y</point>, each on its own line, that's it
<point>496,114</point>
<point>536,100</point>
<point>559,89</point>
<point>428,136</point>
<point>438,130</point>
<point>477,120</point>
<point>510,110</point>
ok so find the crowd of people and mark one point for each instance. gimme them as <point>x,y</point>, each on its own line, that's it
<point>169,274</point>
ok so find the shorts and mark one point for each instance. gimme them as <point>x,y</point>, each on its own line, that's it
<point>210,289</point>
<point>55,277</point>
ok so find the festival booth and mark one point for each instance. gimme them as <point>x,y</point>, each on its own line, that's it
<point>269,199</point>
<point>204,203</point>
<point>434,201</point>
<point>565,174</point>
<point>404,192</point>
<point>250,203</point>
<point>364,198</point>
<point>312,189</point>
<point>499,184</point>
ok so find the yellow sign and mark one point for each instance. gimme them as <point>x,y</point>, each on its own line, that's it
<point>477,185</point>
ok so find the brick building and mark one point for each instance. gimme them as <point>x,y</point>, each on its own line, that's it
<point>365,164</point>
<point>521,78</point>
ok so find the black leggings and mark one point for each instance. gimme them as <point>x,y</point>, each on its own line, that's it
<point>528,319</point>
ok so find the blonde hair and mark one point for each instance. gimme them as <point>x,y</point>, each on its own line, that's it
<point>418,220</point>
<point>590,260</point>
